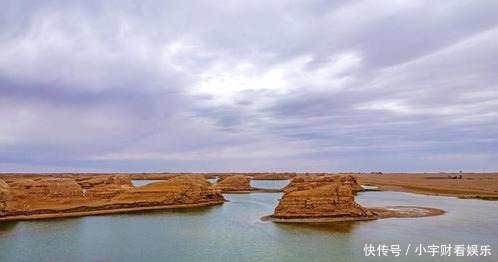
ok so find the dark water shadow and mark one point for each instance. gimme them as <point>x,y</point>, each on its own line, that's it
<point>345,227</point>
<point>183,211</point>
<point>7,226</point>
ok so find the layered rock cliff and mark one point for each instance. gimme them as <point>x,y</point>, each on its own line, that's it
<point>311,181</point>
<point>106,187</point>
<point>273,176</point>
<point>234,183</point>
<point>53,197</point>
<point>4,195</point>
<point>89,182</point>
<point>27,196</point>
<point>319,197</point>
<point>178,190</point>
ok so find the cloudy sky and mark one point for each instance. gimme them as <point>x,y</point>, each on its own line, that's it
<point>248,85</point>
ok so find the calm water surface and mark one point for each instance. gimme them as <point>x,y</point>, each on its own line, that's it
<point>273,184</point>
<point>234,232</point>
<point>137,183</point>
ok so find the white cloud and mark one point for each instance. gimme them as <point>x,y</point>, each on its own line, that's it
<point>211,86</point>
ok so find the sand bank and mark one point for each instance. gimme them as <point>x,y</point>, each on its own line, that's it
<point>90,212</point>
<point>380,213</point>
<point>472,185</point>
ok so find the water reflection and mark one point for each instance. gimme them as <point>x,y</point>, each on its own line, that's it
<point>196,211</point>
<point>137,183</point>
<point>213,180</point>
<point>271,184</point>
<point>7,226</point>
<point>336,227</point>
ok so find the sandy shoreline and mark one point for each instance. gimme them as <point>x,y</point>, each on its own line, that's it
<point>475,186</point>
<point>380,212</point>
<point>106,212</point>
<point>406,211</point>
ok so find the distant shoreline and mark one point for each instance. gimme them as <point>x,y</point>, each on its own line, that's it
<point>470,186</point>
<point>483,185</point>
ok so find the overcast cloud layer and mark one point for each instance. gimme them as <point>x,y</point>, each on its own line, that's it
<point>248,85</point>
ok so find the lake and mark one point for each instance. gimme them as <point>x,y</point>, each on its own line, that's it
<point>233,232</point>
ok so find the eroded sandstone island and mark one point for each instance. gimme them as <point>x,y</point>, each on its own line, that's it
<point>240,184</point>
<point>41,198</point>
<point>234,183</point>
<point>311,199</point>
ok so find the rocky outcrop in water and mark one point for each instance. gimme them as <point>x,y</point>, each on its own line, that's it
<point>58,197</point>
<point>352,182</point>
<point>27,195</point>
<point>105,187</point>
<point>234,183</point>
<point>311,181</point>
<point>54,188</point>
<point>178,190</point>
<point>318,197</point>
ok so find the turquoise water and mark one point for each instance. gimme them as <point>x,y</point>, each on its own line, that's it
<point>234,232</point>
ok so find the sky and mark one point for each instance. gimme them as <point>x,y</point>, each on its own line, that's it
<point>220,86</point>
